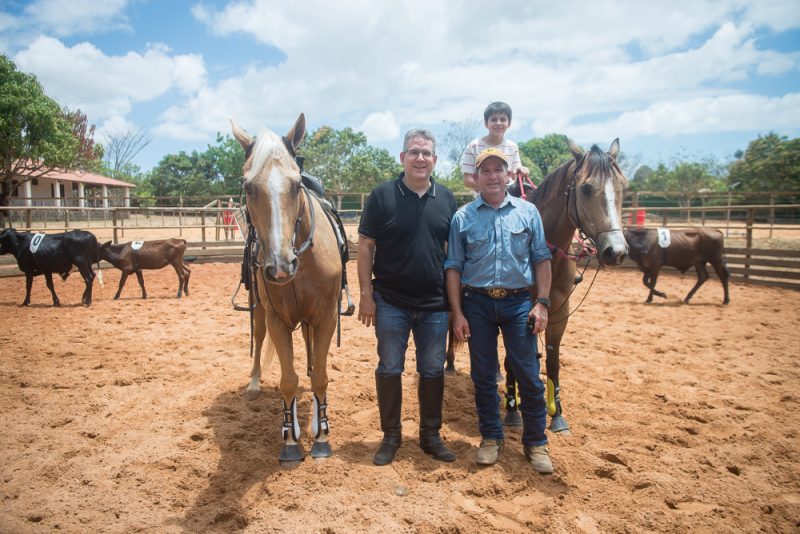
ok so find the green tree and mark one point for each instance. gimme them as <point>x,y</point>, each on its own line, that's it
<point>345,162</point>
<point>687,179</point>
<point>641,175</point>
<point>184,174</point>
<point>770,163</point>
<point>543,155</point>
<point>36,135</point>
<point>227,157</point>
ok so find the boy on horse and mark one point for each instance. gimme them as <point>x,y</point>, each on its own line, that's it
<point>497,119</point>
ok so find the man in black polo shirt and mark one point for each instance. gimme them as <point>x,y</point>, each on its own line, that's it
<point>401,250</point>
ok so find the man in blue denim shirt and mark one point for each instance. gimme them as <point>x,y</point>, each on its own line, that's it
<point>401,242</point>
<point>496,252</point>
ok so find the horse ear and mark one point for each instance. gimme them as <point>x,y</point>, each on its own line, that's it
<point>297,132</point>
<point>613,150</point>
<point>241,136</point>
<point>577,151</point>
<point>106,244</point>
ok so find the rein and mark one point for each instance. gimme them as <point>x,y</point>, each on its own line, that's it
<point>588,249</point>
<point>309,242</point>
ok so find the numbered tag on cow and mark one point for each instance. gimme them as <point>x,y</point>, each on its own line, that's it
<point>36,241</point>
<point>136,245</point>
<point>664,237</point>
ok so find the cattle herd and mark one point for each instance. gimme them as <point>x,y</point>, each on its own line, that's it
<point>46,254</point>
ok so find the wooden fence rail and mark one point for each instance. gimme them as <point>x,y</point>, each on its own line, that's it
<point>748,263</point>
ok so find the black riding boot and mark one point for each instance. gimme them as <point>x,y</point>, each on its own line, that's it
<point>390,400</point>
<point>431,392</point>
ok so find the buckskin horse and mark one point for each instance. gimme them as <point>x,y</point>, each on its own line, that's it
<point>297,279</point>
<point>582,194</point>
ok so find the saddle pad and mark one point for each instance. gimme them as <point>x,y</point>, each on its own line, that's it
<point>36,241</point>
<point>663,237</point>
<point>136,245</point>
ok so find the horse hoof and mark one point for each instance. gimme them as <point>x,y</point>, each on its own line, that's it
<point>291,453</point>
<point>512,418</point>
<point>251,394</point>
<point>450,371</point>
<point>321,449</point>
<point>559,425</point>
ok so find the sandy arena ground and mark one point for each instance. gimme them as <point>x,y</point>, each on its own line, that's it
<point>129,417</point>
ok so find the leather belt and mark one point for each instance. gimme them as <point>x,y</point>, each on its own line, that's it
<point>497,293</point>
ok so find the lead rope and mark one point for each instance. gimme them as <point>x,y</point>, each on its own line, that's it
<point>587,250</point>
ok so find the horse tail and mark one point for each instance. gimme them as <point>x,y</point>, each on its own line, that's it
<point>100,274</point>
<point>308,338</point>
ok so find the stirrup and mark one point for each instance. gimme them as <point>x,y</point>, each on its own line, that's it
<point>350,306</point>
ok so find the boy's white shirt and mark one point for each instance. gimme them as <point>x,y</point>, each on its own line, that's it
<point>476,146</point>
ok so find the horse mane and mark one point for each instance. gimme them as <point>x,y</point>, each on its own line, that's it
<point>598,161</point>
<point>551,185</point>
<point>268,145</point>
<point>594,162</point>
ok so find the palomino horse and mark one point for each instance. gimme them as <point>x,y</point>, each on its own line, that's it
<point>298,277</point>
<point>584,194</point>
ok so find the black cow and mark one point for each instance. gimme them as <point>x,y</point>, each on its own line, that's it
<point>687,248</point>
<point>56,253</point>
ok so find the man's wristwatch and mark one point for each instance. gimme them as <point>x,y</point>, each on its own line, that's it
<point>544,301</point>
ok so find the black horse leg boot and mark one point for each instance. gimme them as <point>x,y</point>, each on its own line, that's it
<point>431,392</point>
<point>390,400</point>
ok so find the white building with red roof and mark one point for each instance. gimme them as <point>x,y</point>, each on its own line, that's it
<point>72,188</point>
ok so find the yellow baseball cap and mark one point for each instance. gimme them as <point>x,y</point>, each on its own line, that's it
<point>490,153</point>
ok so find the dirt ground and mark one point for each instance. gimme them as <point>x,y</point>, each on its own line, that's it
<point>129,417</point>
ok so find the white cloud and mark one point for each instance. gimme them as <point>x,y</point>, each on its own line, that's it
<point>63,18</point>
<point>780,15</point>
<point>189,72</point>
<point>380,126</point>
<point>604,68</point>
<point>727,113</point>
<point>424,62</point>
<point>106,87</point>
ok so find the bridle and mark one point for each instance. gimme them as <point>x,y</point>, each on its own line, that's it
<point>574,217</point>
<point>252,263</point>
<point>309,242</point>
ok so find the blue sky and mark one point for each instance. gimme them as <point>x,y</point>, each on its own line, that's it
<point>693,77</point>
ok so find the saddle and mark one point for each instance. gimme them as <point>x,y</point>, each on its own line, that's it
<point>313,184</point>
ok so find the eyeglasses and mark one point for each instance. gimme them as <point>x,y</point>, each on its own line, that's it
<point>414,154</point>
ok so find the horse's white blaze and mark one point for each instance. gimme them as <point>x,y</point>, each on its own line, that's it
<point>276,183</point>
<point>611,206</point>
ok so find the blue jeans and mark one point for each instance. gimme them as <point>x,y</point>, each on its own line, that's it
<point>392,327</point>
<point>486,316</point>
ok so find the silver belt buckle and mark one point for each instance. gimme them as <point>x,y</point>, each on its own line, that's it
<point>498,293</point>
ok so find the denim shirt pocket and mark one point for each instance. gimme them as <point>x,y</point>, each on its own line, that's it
<point>520,238</point>
<point>477,243</point>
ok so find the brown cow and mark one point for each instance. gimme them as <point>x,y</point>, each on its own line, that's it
<point>150,255</point>
<point>687,248</point>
